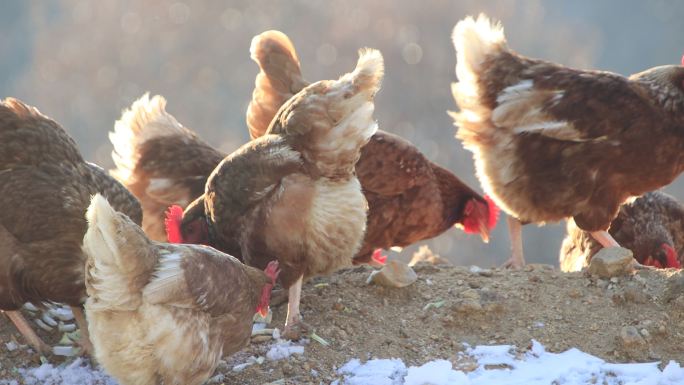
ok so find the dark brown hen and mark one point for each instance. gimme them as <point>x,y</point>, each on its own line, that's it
<point>295,196</point>
<point>551,142</point>
<point>652,226</point>
<point>149,301</point>
<point>45,188</point>
<point>409,197</point>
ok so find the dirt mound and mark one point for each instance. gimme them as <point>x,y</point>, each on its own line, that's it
<point>625,319</point>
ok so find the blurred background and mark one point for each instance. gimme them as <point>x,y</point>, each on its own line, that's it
<point>82,62</point>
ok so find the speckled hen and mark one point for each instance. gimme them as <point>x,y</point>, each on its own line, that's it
<point>551,142</point>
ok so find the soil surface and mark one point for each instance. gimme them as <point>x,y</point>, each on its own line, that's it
<point>634,318</point>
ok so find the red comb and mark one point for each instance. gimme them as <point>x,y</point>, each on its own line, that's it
<point>379,258</point>
<point>172,222</point>
<point>272,270</point>
<point>493,212</point>
<point>671,257</point>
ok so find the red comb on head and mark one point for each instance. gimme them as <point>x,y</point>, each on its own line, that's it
<point>378,258</point>
<point>272,270</point>
<point>172,222</point>
<point>493,212</point>
<point>671,257</point>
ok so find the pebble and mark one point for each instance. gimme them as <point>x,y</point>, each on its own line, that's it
<point>611,262</point>
<point>470,294</point>
<point>630,338</point>
<point>675,286</point>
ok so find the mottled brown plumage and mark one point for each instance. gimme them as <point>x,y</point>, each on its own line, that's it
<point>161,162</point>
<point>294,196</point>
<point>551,142</point>
<point>409,197</point>
<point>149,301</point>
<point>652,226</point>
<point>45,188</point>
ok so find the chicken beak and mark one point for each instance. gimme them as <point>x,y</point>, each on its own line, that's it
<point>484,232</point>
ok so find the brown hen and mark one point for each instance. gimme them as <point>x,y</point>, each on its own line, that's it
<point>149,301</point>
<point>551,142</point>
<point>652,226</point>
<point>294,196</point>
<point>45,188</point>
<point>409,197</point>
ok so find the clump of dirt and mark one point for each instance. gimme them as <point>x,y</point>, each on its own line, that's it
<point>632,318</point>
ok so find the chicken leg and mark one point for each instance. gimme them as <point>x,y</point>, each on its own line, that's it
<point>604,238</point>
<point>294,326</point>
<point>517,260</point>
<point>84,342</point>
<point>28,332</point>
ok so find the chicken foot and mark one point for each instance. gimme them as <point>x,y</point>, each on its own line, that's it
<point>295,328</point>
<point>84,342</point>
<point>517,260</point>
<point>25,329</point>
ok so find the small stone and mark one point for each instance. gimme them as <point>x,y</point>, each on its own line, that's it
<point>338,306</point>
<point>644,333</point>
<point>611,262</point>
<point>394,274</point>
<point>575,293</point>
<point>633,294</point>
<point>470,294</point>
<point>630,338</point>
<point>467,306</point>
<point>675,286</point>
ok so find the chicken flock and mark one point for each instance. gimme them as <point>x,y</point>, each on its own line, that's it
<point>182,244</point>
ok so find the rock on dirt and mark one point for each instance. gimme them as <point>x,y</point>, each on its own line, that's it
<point>611,262</point>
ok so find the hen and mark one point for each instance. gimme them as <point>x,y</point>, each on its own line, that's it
<point>148,301</point>
<point>551,142</point>
<point>652,226</point>
<point>45,188</point>
<point>295,196</point>
<point>161,162</point>
<point>409,197</point>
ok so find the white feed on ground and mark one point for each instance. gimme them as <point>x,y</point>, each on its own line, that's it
<point>536,367</point>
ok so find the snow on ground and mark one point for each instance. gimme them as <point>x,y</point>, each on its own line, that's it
<point>536,367</point>
<point>77,372</point>
<point>494,365</point>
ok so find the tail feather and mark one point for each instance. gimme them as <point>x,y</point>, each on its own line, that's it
<point>279,78</point>
<point>146,119</point>
<point>120,259</point>
<point>159,160</point>
<point>474,40</point>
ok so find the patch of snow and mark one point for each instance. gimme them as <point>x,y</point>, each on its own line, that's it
<point>536,367</point>
<point>377,372</point>
<point>283,349</point>
<point>436,372</point>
